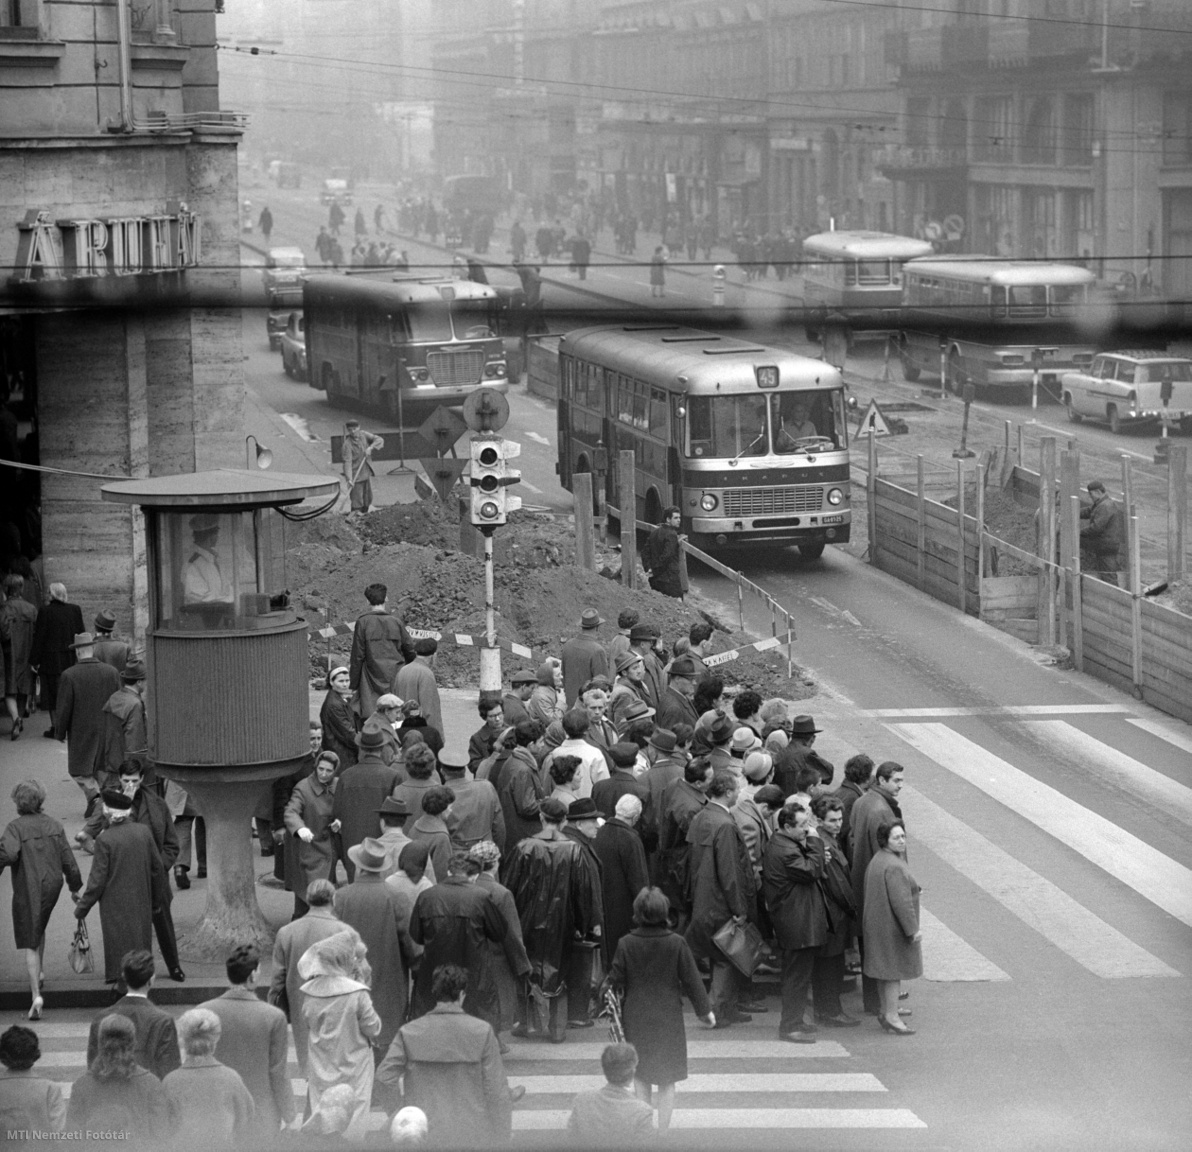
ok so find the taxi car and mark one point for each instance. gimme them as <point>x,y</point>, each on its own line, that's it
<point>1138,386</point>
<point>293,347</point>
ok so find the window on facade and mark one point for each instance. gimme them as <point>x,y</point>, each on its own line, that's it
<point>152,20</point>
<point>993,129</point>
<point>1077,142</point>
<point>22,14</point>
<point>1177,128</point>
<point>1039,138</point>
<point>918,122</point>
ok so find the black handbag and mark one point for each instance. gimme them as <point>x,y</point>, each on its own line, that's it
<point>741,945</point>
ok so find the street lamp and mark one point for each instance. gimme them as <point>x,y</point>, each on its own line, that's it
<point>264,455</point>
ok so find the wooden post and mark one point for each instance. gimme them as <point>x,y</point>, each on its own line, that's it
<point>1128,511</point>
<point>982,476</point>
<point>1021,454</point>
<point>627,495</point>
<point>1135,607</point>
<point>790,647</point>
<point>1069,540</point>
<point>1007,458</point>
<point>921,536</point>
<point>585,530</point>
<point>1177,511</point>
<point>960,589</point>
<point>1045,546</point>
<point>871,498</point>
<point>741,607</point>
<point>1073,516</point>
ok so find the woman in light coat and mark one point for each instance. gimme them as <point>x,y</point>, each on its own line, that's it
<point>341,1023</point>
<point>890,927</point>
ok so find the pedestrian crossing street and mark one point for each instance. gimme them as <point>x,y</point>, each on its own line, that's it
<point>744,1079</point>
<point>1046,904</point>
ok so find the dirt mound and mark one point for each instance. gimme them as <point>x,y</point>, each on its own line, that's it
<point>413,549</point>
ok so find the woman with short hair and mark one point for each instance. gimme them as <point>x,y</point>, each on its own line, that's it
<point>28,1100</point>
<point>209,1099</point>
<point>890,926</point>
<point>34,846</point>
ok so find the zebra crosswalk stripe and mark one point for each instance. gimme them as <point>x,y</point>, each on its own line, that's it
<point>746,1118</point>
<point>1181,738</point>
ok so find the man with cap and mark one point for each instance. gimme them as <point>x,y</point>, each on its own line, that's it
<point>606,793</point>
<point>675,706</point>
<point>83,690</point>
<point>583,656</point>
<point>124,719</point>
<point>380,645</point>
<point>619,644</point>
<point>799,753</point>
<point>109,650</point>
<point>370,907</point>
<point>360,791</point>
<point>127,880</point>
<point>358,447</point>
<point>583,822</point>
<point>416,681</point>
<point>642,640</point>
<point>630,686</point>
<point>1104,534</point>
<point>476,808</point>
<point>514,701</point>
<point>393,814</point>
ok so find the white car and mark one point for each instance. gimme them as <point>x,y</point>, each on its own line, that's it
<point>1126,387</point>
<point>293,347</point>
<point>285,268</point>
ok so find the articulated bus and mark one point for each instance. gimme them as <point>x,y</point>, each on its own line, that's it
<point>858,274</point>
<point>749,442</point>
<point>435,339</point>
<point>990,319</point>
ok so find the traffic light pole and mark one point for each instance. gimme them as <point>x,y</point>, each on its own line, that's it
<point>490,655</point>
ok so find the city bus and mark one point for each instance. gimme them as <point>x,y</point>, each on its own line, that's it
<point>858,274</point>
<point>749,442</point>
<point>434,339</point>
<point>988,321</point>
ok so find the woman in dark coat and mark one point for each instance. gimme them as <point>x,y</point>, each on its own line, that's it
<point>891,926</point>
<point>508,961</point>
<point>312,840</point>
<point>18,622</point>
<point>34,846</point>
<point>339,720</point>
<point>652,970</point>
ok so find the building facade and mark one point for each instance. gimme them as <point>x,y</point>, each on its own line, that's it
<point>120,348</point>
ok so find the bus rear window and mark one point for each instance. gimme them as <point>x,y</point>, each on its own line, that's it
<point>873,271</point>
<point>1028,300</point>
<point>1065,297</point>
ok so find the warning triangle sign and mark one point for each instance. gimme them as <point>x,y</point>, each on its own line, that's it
<point>443,472</point>
<point>873,422</point>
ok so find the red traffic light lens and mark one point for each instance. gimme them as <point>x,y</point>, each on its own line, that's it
<point>489,456</point>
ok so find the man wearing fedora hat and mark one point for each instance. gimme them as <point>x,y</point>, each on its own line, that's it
<point>719,734</point>
<point>83,691</point>
<point>798,754</point>
<point>371,907</point>
<point>675,706</point>
<point>583,822</point>
<point>583,656</point>
<point>629,688</point>
<point>643,639</point>
<point>393,814</point>
<point>124,719</point>
<point>109,650</point>
<point>360,791</point>
<point>666,763</point>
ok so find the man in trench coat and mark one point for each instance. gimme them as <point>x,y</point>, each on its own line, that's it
<point>83,690</point>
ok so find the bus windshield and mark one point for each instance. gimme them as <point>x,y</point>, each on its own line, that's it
<point>728,426</point>
<point>802,421</point>
<point>439,321</point>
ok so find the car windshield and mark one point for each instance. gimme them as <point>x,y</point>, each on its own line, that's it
<point>802,421</point>
<point>288,260</point>
<point>728,426</point>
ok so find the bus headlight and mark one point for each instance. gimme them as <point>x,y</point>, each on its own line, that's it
<point>835,496</point>
<point>492,371</point>
<point>708,502</point>
<point>419,375</point>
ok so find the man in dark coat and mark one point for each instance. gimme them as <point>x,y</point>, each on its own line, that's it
<point>360,792</point>
<point>680,802</point>
<point>125,734</point>
<point>513,702</point>
<point>877,806</point>
<point>1104,534</point>
<point>798,754</point>
<point>58,623</point>
<point>583,656</point>
<point>642,640</point>
<point>519,789</point>
<point>583,822</point>
<point>558,901</point>
<point>623,870</point>
<point>723,888</point>
<point>666,766</point>
<point>156,1036</point>
<point>858,772</point>
<point>675,706</point>
<point>83,690</point>
<point>253,1040</point>
<point>454,921</point>
<point>792,865</point>
<point>380,645</point>
<point>606,793</point>
<point>109,650</point>
<point>128,882</point>
<point>660,556</point>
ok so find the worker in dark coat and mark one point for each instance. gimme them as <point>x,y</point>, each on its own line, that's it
<point>798,754</point>
<point>83,690</point>
<point>380,645</point>
<point>1104,534</point>
<point>338,718</point>
<point>58,623</point>
<point>877,807</point>
<point>623,870</point>
<point>34,846</point>
<point>584,657</point>
<point>360,791</point>
<point>557,902</point>
<point>793,863</point>
<point>660,556</point>
<point>827,975</point>
<point>453,921</point>
<point>127,881</point>
<point>680,803</point>
<point>722,888</point>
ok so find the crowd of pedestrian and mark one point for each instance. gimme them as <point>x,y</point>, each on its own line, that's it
<point>619,819</point>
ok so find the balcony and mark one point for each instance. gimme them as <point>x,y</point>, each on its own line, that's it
<point>1013,43</point>
<point>924,160</point>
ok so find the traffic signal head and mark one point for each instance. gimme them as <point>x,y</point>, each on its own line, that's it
<point>490,478</point>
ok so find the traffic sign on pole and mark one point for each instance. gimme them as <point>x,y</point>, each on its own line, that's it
<point>486,410</point>
<point>441,429</point>
<point>443,472</point>
<point>873,422</point>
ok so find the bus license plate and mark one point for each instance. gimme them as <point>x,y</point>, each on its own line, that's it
<point>831,519</point>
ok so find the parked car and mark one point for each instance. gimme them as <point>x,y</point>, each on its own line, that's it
<point>1125,387</point>
<point>281,305</point>
<point>293,347</point>
<point>284,270</point>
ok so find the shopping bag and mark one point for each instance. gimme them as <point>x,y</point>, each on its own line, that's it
<point>741,945</point>
<point>81,959</point>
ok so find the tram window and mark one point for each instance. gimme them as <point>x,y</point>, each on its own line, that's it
<point>1028,300</point>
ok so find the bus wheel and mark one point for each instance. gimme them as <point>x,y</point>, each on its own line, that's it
<point>909,371</point>
<point>956,373</point>
<point>1074,417</point>
<point>812,550</point>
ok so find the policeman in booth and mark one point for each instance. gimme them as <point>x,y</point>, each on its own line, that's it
<point>204,580</point>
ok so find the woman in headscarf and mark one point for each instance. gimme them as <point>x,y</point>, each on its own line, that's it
<point>341,1023</point>
<point>339,719</point>
<point>543,704</point>
<point>508,961</point>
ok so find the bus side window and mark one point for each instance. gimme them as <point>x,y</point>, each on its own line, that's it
<point>699,418</point>
<point>641,407</point>
<point>658,413</point>
<point>624,400</point>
